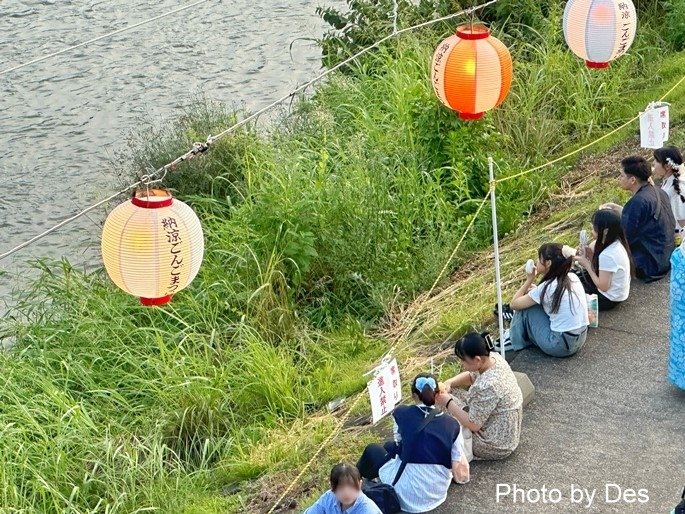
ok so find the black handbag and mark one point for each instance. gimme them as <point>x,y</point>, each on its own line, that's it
<point>680,508</point>
<point>384,495</point>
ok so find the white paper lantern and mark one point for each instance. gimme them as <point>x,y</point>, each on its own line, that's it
<point>599,31</point>
<point>152,246</point>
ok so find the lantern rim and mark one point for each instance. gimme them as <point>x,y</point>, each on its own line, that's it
<point>471,115</point>
<point>152,199</point>
<point>151,302</point>
<point>597,65</point>
<point>473,32</point>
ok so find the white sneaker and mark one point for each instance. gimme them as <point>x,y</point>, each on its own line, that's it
<point>507,343</point>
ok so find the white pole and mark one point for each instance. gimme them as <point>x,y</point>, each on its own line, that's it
<point>495,237</point>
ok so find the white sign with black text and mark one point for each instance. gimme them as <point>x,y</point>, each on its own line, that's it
<point>654,125</point>
<point>385,390</point>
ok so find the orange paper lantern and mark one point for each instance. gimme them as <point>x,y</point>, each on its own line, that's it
<point>472,71</point>
<point>599,31</point>
<point>152,246</point>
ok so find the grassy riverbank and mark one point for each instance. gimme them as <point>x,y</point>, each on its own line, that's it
<point>319,228</point>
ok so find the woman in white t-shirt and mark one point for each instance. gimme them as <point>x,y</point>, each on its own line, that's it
<point>552,315</point>
<point>668,166</point>
<point>607,264</point>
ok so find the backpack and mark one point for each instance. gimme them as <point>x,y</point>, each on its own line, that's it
<point>384,495</point>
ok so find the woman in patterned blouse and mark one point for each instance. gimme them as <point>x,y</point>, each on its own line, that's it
<point>491,409</point>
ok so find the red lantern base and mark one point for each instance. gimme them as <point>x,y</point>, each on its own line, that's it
<point>471,115</point>
<point>149,302</point>
<point>597,65</point>
<point>473,32</point>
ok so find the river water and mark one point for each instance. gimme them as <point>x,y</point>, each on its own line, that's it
<point>63,120</point>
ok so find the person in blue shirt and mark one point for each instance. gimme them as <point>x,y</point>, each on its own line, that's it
<point>345,495</point>
<point>647,220</point>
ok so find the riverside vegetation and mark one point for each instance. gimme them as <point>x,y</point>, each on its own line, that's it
<point>318,225</point>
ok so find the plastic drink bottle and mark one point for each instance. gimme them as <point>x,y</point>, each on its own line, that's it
<point>593,310</point>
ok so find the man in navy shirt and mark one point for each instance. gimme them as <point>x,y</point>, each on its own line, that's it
<point>647,220</point>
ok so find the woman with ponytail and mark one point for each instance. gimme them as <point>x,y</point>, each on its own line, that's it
<point>668,166</point>
<point>426,455</point>
<point>552,315</point>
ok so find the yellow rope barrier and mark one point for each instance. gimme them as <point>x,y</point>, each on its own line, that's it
<point>461,240</point>
<point>570,154</point>
<point>347,414</point>
<point>426,296</point>
<point>589,145</point>
<point>323,445</point>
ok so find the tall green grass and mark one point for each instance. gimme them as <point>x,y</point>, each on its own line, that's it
<point>314,224</point>
<point>108,407</point>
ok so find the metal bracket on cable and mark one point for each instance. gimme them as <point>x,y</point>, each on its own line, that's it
<point>197,149</point>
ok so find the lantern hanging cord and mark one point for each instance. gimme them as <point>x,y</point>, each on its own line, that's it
<point>100,38</point>
<point>347,61</point>
<point>211,139</point>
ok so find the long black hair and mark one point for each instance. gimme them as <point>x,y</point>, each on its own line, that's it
<point>608,226</point>
<point>558,270</point>
<point>427,393</point>
<point>671,158</point>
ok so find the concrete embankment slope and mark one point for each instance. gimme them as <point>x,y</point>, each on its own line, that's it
<point>605,416</point>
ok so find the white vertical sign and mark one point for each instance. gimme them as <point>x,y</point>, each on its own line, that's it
<point>654,125</point>
<point>396,385</point>
<point>664,121</point>
<point>385,390</point>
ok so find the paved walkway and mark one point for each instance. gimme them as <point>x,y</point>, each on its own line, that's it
<point>605,416</point>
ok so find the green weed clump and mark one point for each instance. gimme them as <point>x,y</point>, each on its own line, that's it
<point>316,223</point>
